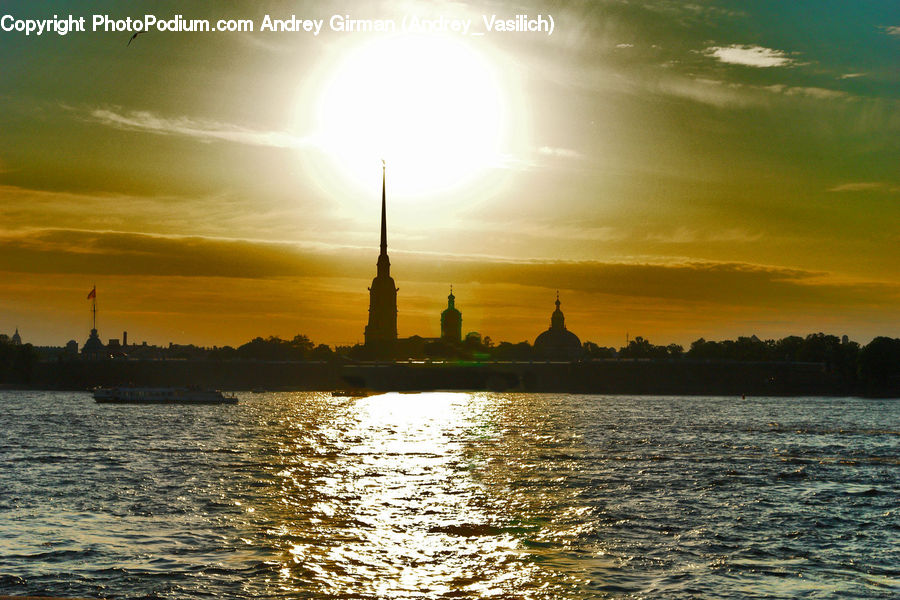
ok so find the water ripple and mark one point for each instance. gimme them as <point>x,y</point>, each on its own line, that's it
<point>450,495</point>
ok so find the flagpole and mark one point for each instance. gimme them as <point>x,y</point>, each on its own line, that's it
<point>94,307</point>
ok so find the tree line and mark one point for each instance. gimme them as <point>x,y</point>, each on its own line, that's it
<point>877,364</point>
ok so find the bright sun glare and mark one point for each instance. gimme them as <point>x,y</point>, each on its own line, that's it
<point>432,107</point>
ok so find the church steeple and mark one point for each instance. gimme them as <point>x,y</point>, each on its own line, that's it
<point>381,332</point>
<point>451,321</point>
<point>384,263</point>
<point>383,209</point>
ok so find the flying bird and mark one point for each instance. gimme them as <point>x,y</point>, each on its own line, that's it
<point>131,39</point>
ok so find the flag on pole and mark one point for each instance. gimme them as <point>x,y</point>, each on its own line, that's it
<point>93,293</point>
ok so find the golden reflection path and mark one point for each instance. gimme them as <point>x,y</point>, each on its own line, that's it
<point>409,495</point>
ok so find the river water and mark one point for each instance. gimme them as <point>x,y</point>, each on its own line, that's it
<point>450,495</point>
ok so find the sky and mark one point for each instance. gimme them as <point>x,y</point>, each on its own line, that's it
<point>675,170</point>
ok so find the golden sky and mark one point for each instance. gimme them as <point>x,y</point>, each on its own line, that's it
<point>674,169</point>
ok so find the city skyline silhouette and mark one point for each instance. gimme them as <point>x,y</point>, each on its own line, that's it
<point>715,178</point>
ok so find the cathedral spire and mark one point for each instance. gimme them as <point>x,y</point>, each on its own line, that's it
<point>383,209</point>
<point>381,332</point>
<point>384,263</point>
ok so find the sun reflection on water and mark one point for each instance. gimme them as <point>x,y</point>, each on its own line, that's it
<point>385,500</point>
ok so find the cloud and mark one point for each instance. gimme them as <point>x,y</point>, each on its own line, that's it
<point>560,152</point>
<point>864,186</point>
<point>730,94</point>
<point>126,253</point>
<point>200,129</point>
<point>811,92</point>
<point>684,235</point>
<point>751,56</point>
<point>892,30</point>
<point>727,283</point>
<point>708,91</point>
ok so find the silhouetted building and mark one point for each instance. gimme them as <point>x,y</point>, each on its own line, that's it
<point>558,343</point>
<point>412,347</point>
<point>451,321</point>
<point>381,332</point>
<point>93,348</point>
<point>114,349</point>
<point>16,340</point>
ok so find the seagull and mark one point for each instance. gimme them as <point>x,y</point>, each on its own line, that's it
<point>137,33</point>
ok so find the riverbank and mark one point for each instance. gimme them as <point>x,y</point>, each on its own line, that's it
<point>682,377</point>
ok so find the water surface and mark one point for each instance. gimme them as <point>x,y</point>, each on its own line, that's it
<point>450,495</point>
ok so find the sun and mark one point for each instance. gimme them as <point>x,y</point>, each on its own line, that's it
<point>433,107</point>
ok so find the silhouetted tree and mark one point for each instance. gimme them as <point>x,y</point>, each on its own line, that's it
<point>275,348</point>
<point>788,348</point>
<point>675,351</point>
<point>302,344</point>
<point>510,351</point>
<point>641,348</point>
<point>879,364</point>
<point>592,350</point>
<point>16,362</point>
<point>321,352</point>
<point>223,353</point>
<point>475,346</point>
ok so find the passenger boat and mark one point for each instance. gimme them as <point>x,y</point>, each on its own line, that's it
<point>160,395</point>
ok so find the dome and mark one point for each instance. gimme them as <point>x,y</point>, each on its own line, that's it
<point>558,342</point>
<point>93,347</point>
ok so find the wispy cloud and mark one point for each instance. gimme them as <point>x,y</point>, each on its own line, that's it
<point>750,56</point>
<point>131,254</point>
<point>199,129</point>
<point>811,92</point>
<point>720,93</point>
<point>892,30</point>
<point>684,235</point>
<point>560,152</point>
<point>865,186</point>
<point>707,91</point>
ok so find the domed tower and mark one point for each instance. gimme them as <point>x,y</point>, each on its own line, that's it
<point>558,343</point>
<point>381,332</point>
<point>16,338</point>
<point>93,348</point>
<point>451,321</point>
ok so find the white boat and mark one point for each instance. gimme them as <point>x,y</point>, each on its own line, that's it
<point>160,395</point>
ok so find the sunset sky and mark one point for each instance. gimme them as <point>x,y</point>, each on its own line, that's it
<point>675,169</point>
